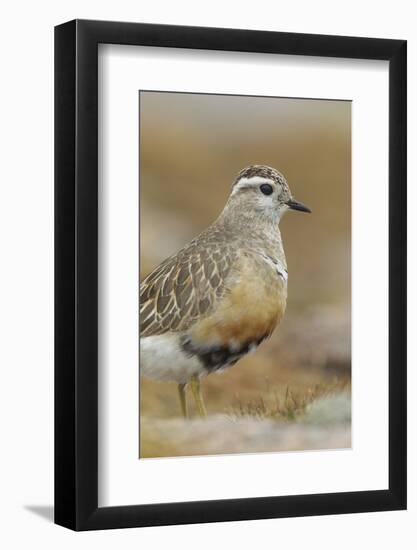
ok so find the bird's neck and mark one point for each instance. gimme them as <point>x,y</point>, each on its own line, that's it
<point>260,232</point>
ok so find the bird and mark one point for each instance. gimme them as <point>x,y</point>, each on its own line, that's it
<point>223,293</point>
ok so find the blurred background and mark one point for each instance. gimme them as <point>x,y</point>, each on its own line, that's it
<point>294,392</point>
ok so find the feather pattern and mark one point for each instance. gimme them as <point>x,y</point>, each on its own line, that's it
<point>186,287</point>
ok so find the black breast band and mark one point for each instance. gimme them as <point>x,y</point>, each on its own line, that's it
<point>217,357</point>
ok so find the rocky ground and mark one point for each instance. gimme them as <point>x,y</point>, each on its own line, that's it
<point>324,425</point>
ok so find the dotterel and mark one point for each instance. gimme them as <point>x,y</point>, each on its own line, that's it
<point>221,295</point>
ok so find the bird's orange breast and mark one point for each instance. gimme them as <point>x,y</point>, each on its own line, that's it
<point>249,311</point>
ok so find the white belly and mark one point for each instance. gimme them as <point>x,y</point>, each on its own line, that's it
<point>161,358</point>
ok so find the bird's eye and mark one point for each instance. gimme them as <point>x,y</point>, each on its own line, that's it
<point>266,189</point>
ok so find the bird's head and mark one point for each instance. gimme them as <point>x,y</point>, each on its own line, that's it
<point>263,190</point>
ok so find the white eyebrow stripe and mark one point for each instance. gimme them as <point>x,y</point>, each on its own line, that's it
<point>282,272</point>
<point>249,182</point>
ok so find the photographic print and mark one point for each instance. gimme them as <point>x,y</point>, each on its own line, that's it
<point>217,193</point>
<point>245,274</point>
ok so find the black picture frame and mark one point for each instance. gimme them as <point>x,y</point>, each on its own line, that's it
<point>76,272</point>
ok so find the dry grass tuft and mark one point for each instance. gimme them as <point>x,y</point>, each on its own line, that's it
<point>286,404</point>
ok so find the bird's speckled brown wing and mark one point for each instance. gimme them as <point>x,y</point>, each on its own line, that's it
<point>185,287</point>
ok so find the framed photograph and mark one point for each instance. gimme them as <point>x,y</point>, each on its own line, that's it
<point>230,252</point>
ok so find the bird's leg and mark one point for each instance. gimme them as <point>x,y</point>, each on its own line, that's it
<point>183,399</point>
<point>198,398</point>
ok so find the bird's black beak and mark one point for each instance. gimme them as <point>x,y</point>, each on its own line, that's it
<point>295,205</point>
